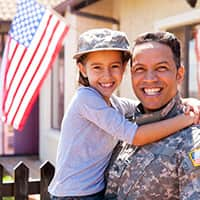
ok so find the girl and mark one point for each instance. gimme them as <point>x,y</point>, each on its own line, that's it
<point>94,121</point>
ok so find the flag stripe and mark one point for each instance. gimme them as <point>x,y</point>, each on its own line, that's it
<point>11,90</point>
<point>12,51</point>
<point>13,60</point>
<point>14,72</point>
<point>5,70</point>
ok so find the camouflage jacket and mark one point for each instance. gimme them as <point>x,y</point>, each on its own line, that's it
<point>168,169</point>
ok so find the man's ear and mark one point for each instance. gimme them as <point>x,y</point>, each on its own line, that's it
<point>180,74</point>
<point>82,69</point>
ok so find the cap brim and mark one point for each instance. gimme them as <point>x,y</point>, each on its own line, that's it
<point>78,55</point>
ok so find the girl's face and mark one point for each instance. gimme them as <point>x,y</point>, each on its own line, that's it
<point>104,70</point>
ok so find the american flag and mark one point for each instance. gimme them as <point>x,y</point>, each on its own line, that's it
<point>34,40</point>
<point>195,157</point>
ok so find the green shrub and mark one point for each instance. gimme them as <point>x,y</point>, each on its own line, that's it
<point>7,178</point>
<point>8,198</point>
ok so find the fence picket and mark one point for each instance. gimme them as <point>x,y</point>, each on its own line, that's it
<point>46,176</point>
<point>21,174</point>
<point>21,187</point>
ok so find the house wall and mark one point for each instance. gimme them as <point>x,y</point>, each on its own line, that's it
<point>135,17</point>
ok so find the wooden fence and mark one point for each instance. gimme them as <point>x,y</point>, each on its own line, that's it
<point>21,187</point>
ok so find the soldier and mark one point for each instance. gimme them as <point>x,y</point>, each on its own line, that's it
<point>170,168</point>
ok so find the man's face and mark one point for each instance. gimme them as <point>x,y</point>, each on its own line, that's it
<point>155,77</point>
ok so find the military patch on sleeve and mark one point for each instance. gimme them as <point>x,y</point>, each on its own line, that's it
<point>195,157</point>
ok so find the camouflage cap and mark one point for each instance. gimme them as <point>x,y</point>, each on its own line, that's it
<point>102,39</point>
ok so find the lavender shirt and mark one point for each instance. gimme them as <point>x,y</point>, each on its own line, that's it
<point>90,130</point>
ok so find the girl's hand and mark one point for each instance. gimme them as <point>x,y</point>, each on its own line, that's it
<point>192,115</point>
<point>192,105</point>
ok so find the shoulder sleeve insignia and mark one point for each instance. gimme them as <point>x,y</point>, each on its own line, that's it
<point>194,156</point>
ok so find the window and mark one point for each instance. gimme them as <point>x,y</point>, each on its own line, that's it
<point>193,85</point>
<point>57,91</point>
<point>2,45</point>
<point>194,63</point>
<point>186,34</point>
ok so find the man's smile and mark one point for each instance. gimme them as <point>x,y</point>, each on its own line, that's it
<point>152,91</point>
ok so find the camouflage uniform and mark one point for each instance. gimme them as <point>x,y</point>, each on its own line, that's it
<point>163,170</point>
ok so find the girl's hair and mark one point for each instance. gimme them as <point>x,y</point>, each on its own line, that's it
<point>82,80</point>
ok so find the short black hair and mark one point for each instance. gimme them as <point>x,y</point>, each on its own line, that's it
<point>162,37</point>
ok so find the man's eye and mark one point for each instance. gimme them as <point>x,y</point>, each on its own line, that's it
<point>162,68</point>
<point>138,69</point>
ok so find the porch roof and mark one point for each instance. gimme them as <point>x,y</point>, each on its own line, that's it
<point>8,8</point>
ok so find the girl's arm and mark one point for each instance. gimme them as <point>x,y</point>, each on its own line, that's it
<point>152,132</point>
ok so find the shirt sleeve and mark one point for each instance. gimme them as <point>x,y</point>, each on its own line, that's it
<point>127,106</point>
<point>189,171</point>
<point>94,108</point>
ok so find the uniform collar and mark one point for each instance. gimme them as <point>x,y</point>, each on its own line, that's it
<point>173,108</point>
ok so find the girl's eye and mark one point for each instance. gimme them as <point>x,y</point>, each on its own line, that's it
<point>96,67</point>
<point>115,66</point>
